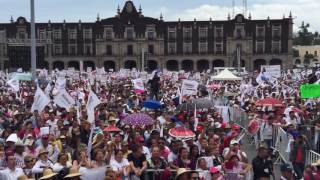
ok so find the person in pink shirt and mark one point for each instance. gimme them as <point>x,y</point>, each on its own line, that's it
<point>235,169</point>
<point>216,174</point>
<point>164,150</point>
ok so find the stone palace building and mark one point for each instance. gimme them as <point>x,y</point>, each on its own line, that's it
<point>128,38</point>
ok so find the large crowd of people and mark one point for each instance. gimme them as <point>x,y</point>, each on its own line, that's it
<point>181,143</point>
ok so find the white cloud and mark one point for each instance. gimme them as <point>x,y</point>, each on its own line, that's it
<point>302,10</point>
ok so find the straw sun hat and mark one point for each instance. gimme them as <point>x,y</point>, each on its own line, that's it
<point>47,173</point>
<point>23,177</point>
<point>182,171</point>
<point>74,172</point>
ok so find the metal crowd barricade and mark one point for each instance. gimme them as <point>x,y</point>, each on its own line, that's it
<point>282,143</point>
<point>237,176</point>
<point>312,157</point>
<point>151,174</point>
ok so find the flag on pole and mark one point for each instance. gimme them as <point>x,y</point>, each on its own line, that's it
<point>93,101</point>
<point>196,121</point>
<point>64,100</point>
<point>90,141</point>
<point>40,101</point>
<point>14,84</point>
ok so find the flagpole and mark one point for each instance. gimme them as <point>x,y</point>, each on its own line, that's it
<point>33,38</point>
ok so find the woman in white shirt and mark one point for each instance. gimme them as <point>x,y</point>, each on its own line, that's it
<point>62,163</point>
<point>202,169</point>
<point>119,164</point>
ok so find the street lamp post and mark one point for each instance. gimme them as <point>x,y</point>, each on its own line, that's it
<point>33,39</point>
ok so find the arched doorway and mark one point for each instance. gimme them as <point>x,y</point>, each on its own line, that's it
<point>130,64</point>
<point>74,64</point>
<point>172,65</point>
<point>87,64</point>
<point>187,65</point>
<point>109,65</point>
<point>58,65</point>
<point>218,63</point>
<point>275,62</point>
<point>203,65</point>
<point>151,65</point>
<point>258,63</point>
<point>243,63</point>
<point>298,61</point>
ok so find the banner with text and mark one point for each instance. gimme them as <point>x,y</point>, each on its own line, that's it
<point>271,71</point>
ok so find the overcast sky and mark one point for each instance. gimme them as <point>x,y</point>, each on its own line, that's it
<point>87,10</point>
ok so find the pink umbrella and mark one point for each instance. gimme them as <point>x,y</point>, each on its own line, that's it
<point>111,128</point>
<point>181,132</point>
<point>269,102</point>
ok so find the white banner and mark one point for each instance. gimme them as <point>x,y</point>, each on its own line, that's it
<point>189,87</point>
<point>63,99</point>
<point>40,101</point>
<point>93,101</point>
<point>14,84</point>
<point>271,71</point>
<point>138,84</point>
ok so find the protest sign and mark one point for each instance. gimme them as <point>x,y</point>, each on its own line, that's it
<point>310,90</point>
<point>23,76</point>
<point>138,84</point>
<point>189,87</point>
<point>271,71</point>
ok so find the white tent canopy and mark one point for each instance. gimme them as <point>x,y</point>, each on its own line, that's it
<point>226,75</point>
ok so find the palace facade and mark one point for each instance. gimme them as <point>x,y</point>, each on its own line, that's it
<point>131,40</point>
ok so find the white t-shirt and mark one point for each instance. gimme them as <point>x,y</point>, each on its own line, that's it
<point>146,152</point>
<point>8,174</point>
<point>293,121</point>
<point>116,166</point>
<point>172,156</point>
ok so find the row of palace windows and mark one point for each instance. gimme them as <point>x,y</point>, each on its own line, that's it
<point>172,48</point>
<point>150,33</point>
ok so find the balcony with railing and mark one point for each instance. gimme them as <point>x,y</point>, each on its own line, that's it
<point>27,42</point>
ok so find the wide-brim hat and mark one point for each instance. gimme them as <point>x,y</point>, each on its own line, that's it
<point>43,151</point>
<point>112,118</point>
<point>182,171</point>
<point>23,177</point>
<point>47,173</point>
<point>74,172</point>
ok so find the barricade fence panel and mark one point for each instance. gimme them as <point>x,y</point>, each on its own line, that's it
<point>312,157</point>
<point>282,144</point>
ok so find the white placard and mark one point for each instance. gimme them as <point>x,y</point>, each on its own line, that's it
<point>271,71</point>
<point>44,131</point>
<point>189,87</point>
<point>138,84</point>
